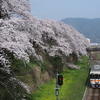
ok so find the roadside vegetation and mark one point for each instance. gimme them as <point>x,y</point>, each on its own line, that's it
<point>73,87</point>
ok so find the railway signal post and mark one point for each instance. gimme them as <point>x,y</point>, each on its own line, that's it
<point>59,82</point>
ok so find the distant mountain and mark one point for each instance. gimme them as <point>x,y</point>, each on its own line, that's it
<point>90,28</point>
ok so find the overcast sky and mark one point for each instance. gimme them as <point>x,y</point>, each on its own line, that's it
<point>59,9</point>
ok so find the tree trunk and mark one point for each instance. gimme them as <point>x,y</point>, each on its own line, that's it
<point>0,8</point>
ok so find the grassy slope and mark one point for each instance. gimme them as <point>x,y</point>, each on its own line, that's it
<point>72,89</point>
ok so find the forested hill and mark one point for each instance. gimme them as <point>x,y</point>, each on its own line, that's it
<point>88,27</point>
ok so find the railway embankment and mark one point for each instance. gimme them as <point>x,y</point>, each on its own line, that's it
<point>73,87</point>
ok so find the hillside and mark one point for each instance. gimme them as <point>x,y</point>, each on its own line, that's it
<point>88,27</point>
<point>32,49</point>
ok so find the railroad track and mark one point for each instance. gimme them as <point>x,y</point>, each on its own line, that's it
<point>93,94</point>
<point>90,93</point>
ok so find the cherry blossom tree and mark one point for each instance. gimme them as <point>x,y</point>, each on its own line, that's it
<point>17,8</point>
<point>21,33</point>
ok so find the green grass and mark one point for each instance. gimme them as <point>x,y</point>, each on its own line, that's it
<point>72,89</point>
